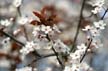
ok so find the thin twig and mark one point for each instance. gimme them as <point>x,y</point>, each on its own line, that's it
<point>25,33</point>
<point>14,39</point>
<point>1,31</point>
<point>57,56</point>
<point>92,39</point>
<point>86,51</point>
<point>104,14</point>
<point>44,56</point>
<point>78,27</point>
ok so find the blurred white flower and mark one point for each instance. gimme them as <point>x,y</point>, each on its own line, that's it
<point>29,47</point>
<point>36,30</point>
<point>5,22</point>
<point>96,10</point>
<point>98,3</point>
<point>67,68</point>
<point>26,69</point>
<point>17,3</point>
<point>76,55</point>
<point>4,63</point>
<point>82,47</point>
<point>15,32</point>
<point>24,20</point>
<point>98,6</point>
<point>100,25</point>
<point>56,29</point>
<point>74,58</point>
<point>46,29</point>
<point>48,69</point>
<point>88,27</point>
<point>94,32</point>
<point>60,46</point>
<point>76,67</point>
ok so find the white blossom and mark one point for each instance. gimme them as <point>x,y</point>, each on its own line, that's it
<point>15,32</point>
<point>67,68</point>
<point>88,27</point>
<point>98,3</point>
<point>76,55</point>
<point>46,29</point>
<point>101,25</point>
<point>76,67</point>
<point>94,32</point>
<point>82,47</point>
<point>5,22</point>
<point>96,10</point>
<point>24,20</point>
<point>55,28</point>
<point>6,45</point>
<point>98,6</point>
<point>29,47</point>
<point>26,69</point>
<point>60,46</point>
<point>36,30</point>
<point>17,3</point>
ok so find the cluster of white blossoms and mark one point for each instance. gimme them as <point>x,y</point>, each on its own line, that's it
<point>26,69</point>
<point>29,47</point>
<point>74,64</point>
<point>41,28</point>
<point>94,31</point>
<point>38,43</point>
<point>77,55</point>
<point>78,67</point>
<point>74,59</point>
<point>59,46</point>
<point>98,6</point>
<point>6,22</point>
<point>100,25</point>
<point>45,29</point>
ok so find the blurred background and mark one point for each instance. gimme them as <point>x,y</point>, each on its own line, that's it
<point>68,12</point>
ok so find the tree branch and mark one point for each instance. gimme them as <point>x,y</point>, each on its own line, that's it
<point>78,27</point>
<point>86,51</point>
<point>104,14</point>
<point>14,39</point>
